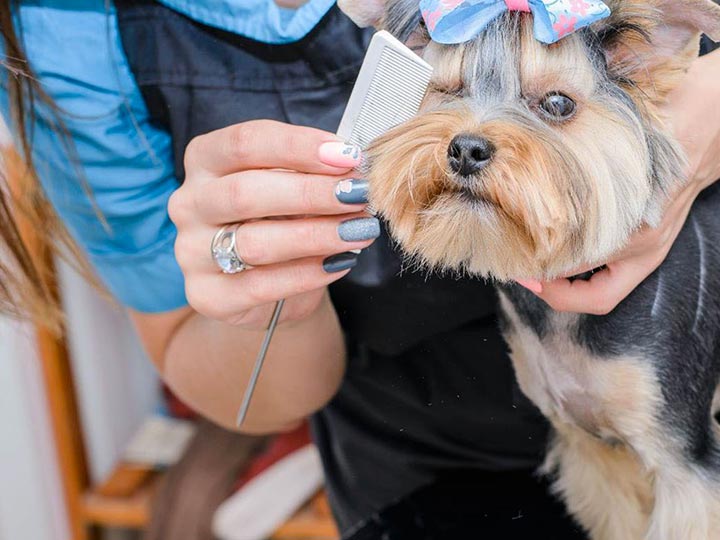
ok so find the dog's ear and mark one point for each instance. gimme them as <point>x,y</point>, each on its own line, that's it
<point>363,12</point>
<point>682,23</point>
<point>399,17</point>
<point>652,43</point>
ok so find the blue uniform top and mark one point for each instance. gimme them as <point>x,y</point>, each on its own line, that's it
<point>75,50</point>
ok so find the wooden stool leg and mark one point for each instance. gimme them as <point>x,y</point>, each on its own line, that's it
<point>66,429</point>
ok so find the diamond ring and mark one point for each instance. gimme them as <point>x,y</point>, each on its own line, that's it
<point>224,250</point>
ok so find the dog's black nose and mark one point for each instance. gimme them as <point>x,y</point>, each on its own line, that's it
<point>469,154</point>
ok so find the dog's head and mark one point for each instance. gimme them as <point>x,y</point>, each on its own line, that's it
<point>530,160</point>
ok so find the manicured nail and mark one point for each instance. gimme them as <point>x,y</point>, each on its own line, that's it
<point>359,229</point>
<point>531,285</point>
<point>352,191</point>
<point>340,154</point>
<point>340,263</point>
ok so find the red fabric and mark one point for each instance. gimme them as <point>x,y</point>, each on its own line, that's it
<point>176,407</point>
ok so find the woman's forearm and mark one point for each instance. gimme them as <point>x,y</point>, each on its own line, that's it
<point>208,364</point>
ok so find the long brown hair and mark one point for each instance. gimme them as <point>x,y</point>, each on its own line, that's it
<point>30,230</point>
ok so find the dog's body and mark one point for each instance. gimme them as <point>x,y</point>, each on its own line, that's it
<point>531,161</point>
<point>630,394</point>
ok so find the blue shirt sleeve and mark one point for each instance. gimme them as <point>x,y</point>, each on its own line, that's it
<point>74,49</point>
<point>261,20</point>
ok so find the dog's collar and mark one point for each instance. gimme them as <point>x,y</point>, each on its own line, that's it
<point>586,276</point>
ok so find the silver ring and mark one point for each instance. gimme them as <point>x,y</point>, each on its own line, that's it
<point>224,251</point>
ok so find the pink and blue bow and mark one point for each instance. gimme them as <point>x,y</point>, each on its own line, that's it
<point>457,21</point>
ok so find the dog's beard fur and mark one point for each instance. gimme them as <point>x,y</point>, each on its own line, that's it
<point>557,195</point>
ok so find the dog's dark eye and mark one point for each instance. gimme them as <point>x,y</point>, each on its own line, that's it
<point>557,106</point>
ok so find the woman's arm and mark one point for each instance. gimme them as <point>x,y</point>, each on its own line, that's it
<point>208,364</point>
<point>245,174</point>
<point>127,163</point>
<point>695,118</point>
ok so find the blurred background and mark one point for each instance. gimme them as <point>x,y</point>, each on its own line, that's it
<point>93,447</point>
<point>116,389</point>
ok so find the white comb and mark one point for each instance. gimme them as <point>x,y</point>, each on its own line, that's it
<point>391,85</point>
<point>389,90</point>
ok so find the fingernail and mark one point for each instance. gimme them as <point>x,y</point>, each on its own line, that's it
<point>359,229</point>
<point>531,285</point>
<point>340,154</point>
<point>352,191</point>
<point>339,263</point>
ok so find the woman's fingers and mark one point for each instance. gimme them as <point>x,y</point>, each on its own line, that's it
<point>645,251</point>
<point>230,297</point>
<point>594,296</point>
<point>269,242</point>
<point>256,194</point>
<point>254,174</point>
<point>264,144</point>
<point>266,242</point>
<point>602,293</point>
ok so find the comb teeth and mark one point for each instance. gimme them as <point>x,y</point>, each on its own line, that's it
<point>389,90</point>
<point>394,96</point>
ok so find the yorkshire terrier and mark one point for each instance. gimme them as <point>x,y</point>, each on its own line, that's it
<point>531,160</point>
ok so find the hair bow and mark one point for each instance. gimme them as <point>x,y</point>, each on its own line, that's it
<point>457,21</point>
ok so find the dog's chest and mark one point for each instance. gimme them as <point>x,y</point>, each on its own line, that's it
<point>571,385</point>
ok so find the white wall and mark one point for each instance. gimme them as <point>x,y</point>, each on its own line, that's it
<point>30,492</point>
<point>116,384</point>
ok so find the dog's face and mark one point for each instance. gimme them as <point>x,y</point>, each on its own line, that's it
<point>529,160</point>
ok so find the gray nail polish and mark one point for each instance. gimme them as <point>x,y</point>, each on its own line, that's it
<point>359,229</point>
<point>352,191</point>
<point>340,263</point>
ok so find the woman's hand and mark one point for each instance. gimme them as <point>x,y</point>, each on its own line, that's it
<point>696,124</point>
<point>300,214</point>
<point>646,250</point>
<point>288,189</point>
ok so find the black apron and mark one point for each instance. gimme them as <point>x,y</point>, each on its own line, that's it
<point>430,405</point>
